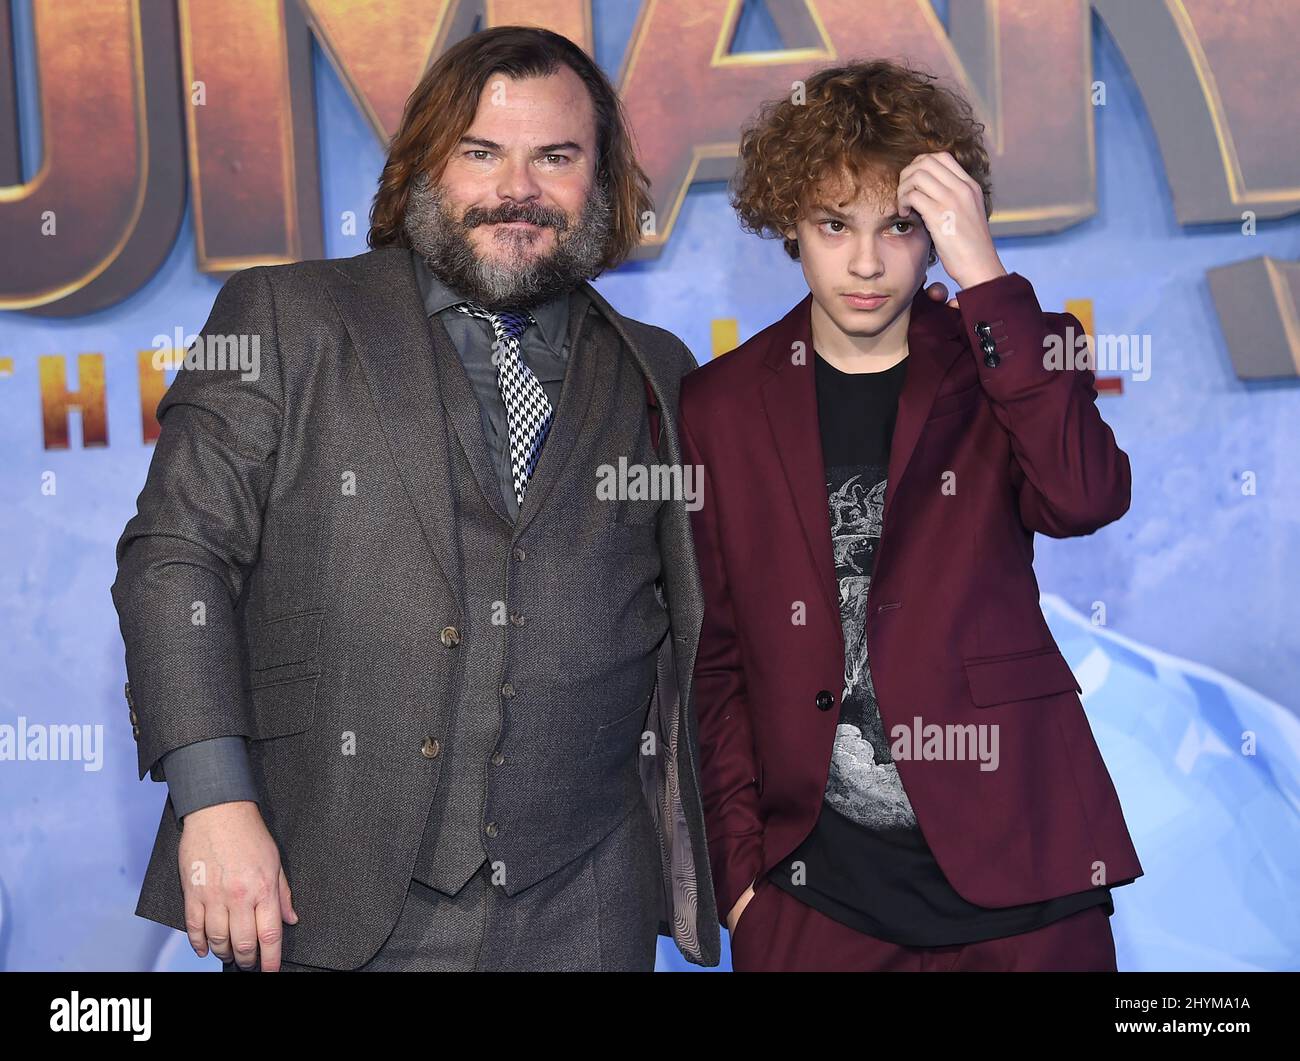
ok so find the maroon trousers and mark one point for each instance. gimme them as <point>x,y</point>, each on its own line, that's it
<point>778,933</point>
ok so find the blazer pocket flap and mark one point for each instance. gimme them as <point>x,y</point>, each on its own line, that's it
<point>290,641</point>
<point>1002,679</point>
<point>283,708</point>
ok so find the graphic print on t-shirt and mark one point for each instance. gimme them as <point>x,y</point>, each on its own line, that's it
<point>863,784</point>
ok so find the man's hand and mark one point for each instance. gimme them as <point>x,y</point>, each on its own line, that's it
<point>951,204</point>
<point>739,908</point>
<point>236,893</point>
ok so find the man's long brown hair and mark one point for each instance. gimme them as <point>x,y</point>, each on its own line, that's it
<point>444,104</point>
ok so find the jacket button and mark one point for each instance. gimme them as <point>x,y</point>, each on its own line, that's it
<point>497,759</point>
<point>516,619</point>
<point>825,701</point>
<point>430,748</point>
<point>135,732</point>
<point>450,636</point>
<point>135,721</point>
<point>490,828</point>
<point>519,553</point>
<point>128,695</point>
<point>508,691</point>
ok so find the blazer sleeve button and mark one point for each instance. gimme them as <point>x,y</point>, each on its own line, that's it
<point>825,701</point>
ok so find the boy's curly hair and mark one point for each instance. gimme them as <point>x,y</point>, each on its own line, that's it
<point>861,122</point>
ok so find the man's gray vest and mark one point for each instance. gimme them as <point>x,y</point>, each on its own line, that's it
<point>560,622</point>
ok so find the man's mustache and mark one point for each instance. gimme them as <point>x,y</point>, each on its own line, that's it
<point>550,217</point>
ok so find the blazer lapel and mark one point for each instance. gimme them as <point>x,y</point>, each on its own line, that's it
<point>379,302</point>
<point>790,401</point>
<point>934,337</point>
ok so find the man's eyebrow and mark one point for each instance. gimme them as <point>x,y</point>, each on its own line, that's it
<point>544,149</point>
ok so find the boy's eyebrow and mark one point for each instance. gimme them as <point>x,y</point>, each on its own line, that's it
<point>822,208</point>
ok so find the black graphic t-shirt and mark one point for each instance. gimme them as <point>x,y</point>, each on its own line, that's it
<point>866,863</point>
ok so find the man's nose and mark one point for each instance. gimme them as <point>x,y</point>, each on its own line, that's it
<point>517,181</point>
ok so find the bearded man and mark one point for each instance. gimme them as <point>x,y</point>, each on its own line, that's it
<point>420,693</point>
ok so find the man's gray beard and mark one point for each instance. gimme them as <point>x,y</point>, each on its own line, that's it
<point>443,241</point>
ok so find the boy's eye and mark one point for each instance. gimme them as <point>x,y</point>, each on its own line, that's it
<point>908,226</point>
<point>832,221</point>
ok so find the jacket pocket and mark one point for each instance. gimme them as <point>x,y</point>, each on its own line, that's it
<point>285,649</point>
<point>1018,676</point>
<point>283,708</point>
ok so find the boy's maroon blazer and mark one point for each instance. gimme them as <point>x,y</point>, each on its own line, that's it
<point>982,457</point>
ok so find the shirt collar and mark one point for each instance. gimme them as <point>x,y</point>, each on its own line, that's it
<point>552,317</point>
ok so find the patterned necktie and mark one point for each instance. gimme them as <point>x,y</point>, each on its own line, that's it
<point>528,410</point>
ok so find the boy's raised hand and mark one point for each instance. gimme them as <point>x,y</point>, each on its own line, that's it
<point>951,205</point>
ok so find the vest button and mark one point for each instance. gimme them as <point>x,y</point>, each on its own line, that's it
<point>508,691</point>
<point>498,758</point>
<point>490,828</point>
<point>450,636</point>
<point>430,748</point>
<point>516,619</point>
<point>825,701</point>
<point>519,553</point>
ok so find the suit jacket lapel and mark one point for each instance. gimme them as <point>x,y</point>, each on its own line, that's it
<point>379,302</point>
<point>680,573</point>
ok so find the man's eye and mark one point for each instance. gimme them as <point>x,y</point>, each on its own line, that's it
<point>478,154</point>
<point>907,226</point>
<point>556,158</point>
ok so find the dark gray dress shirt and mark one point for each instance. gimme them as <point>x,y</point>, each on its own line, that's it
<point>218,770</point>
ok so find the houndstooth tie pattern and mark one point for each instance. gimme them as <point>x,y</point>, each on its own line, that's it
<point>528,410</point>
